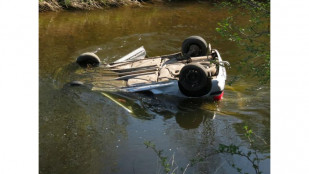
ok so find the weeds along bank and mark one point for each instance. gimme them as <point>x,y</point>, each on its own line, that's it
<point>56,5</point>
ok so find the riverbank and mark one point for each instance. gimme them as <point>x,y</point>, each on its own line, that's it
<point>57,5</point>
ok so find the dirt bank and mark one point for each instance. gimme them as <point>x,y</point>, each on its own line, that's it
<point>56,5</point>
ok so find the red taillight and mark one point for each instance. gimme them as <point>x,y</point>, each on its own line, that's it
<point>219,97</point>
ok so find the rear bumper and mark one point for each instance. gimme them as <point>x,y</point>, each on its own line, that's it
<point>217,96</point>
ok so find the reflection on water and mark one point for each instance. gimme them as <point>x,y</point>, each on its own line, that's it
<point>188,112</point>
<point>82,131</point>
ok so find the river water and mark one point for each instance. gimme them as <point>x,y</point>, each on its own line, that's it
<point>82,131</point>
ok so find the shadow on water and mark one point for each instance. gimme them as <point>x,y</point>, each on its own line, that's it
<point>187,112</point>
<point>180,113</point>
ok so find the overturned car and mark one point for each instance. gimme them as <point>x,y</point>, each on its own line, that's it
<point>196,71</point>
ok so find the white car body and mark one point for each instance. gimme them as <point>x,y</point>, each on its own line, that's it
<point>171,87</point>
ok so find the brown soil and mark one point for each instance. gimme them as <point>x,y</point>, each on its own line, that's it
<point>49,5</point>
<point>57,5</point>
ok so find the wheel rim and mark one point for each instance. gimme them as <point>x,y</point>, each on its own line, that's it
<point>193,78</point>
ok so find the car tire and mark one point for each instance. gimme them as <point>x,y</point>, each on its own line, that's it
<point>88,59</point>
<point>194,40</point>
<point>76,83</point>
<point>194,81</point>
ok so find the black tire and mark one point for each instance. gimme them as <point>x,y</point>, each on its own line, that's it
<point>76,83</point>
<point>194,81</point>
<point>86,59</point>
<point>194,40</point>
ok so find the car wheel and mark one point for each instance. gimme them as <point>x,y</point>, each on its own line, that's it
<point>88,59</point>
<point>194,80</point>
<point>194,46</point>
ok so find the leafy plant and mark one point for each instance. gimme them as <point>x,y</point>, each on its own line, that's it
<point>252,155</point>
<point>251,35</point>
<point>67,3</point>
<point>232,149</point>
<point>164,162</point>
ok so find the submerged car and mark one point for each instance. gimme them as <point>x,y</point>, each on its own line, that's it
<point>196,71</point>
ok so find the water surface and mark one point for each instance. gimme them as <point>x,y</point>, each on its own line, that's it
<point>82,131</point>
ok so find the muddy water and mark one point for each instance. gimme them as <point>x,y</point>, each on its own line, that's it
<point>82,131</point>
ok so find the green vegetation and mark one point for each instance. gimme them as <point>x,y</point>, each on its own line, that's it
<point>170,166</point>
<point>253,37</point>
<point>251,155</point>
<point>232,149</point>
<point>167,165</point>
